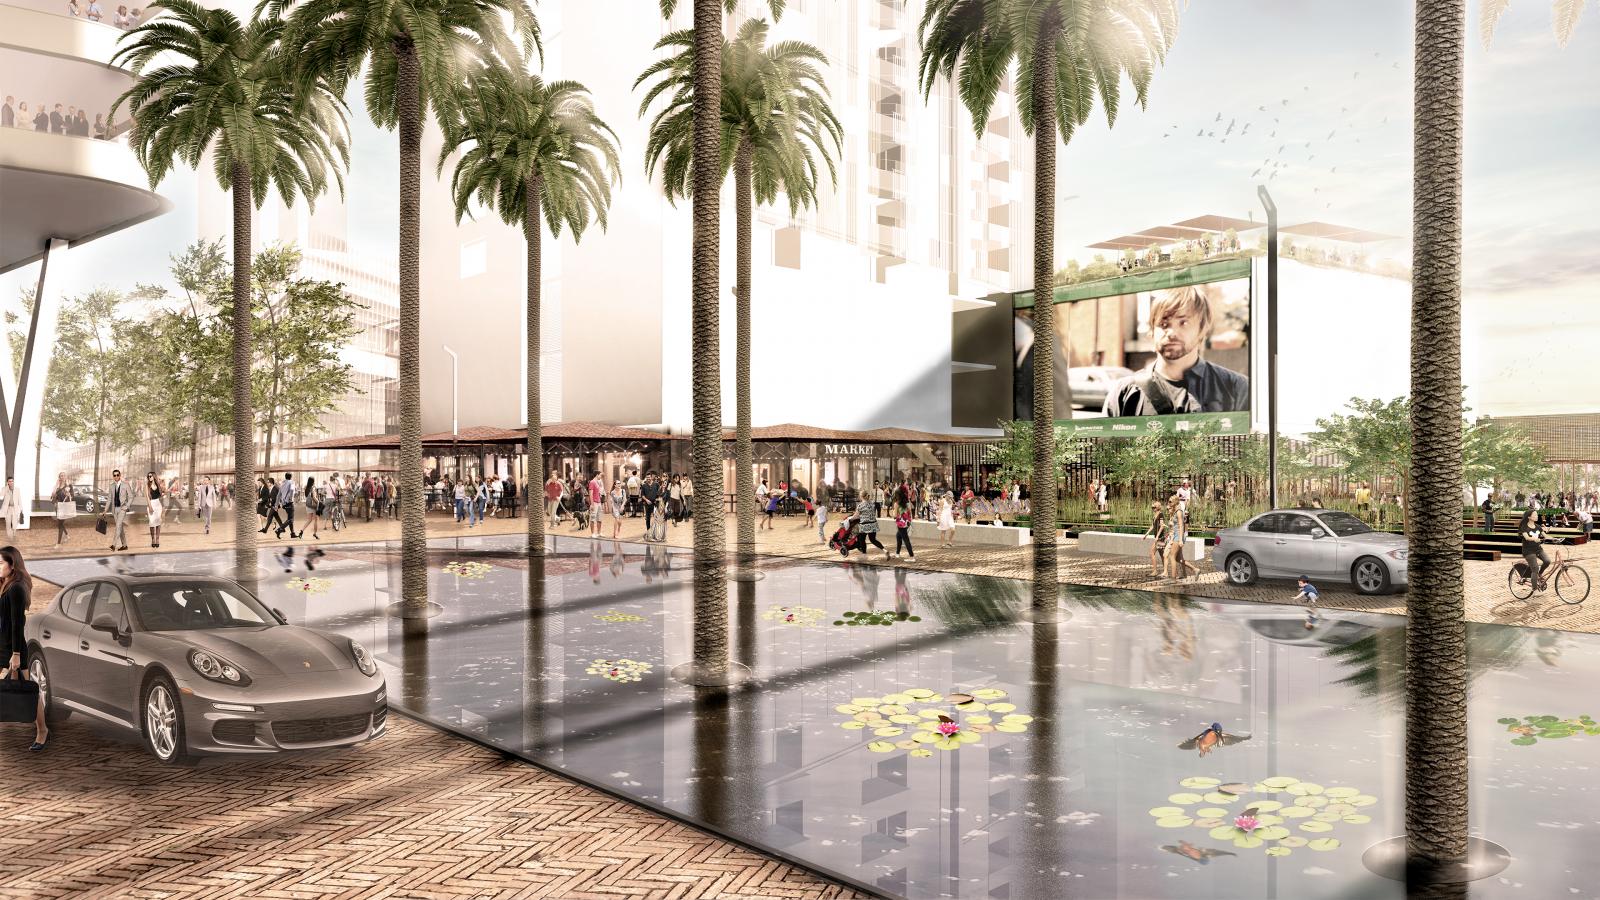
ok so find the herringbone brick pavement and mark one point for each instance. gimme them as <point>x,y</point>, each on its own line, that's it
<point>414,814</point>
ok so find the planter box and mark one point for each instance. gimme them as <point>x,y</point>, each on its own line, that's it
<point>1111,543</point>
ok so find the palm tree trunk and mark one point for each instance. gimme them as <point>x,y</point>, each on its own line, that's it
<point>413,523</point>
<point>244,419</point>
<point>1043,489</point>
<point>710,587</point>
<point>534,474</point>
<point>1436,648</point>
<point>743,454</point>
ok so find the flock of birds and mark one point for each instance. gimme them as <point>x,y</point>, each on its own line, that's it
<point>1261,129</point>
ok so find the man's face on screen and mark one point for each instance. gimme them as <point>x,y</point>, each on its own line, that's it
<point>1177,334</point>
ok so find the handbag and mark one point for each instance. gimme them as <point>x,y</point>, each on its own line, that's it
<point>100,524</point>
<point>66,509</point>
<point>19,699</point>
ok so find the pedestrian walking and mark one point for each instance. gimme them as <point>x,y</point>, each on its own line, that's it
<point>10,508</point>
<point>617,503</point>
<point>266,504</point>
<point>688,497</point>
<point>285,500</point>
<point>1157,531</point>
<point>121,499</point>
<point>65,508</point>
<point>153,495</point>
<point>947,522</point>
<point>1488,513</point>
<point>315,497</point>
<point>675,500</point>
<point>597,496</point>
<point>822,522</point>
<point>1178,532</point>
<point>16,595</point>
<point>867,524</point>
<point>205,501</point>
<point>902,533</point>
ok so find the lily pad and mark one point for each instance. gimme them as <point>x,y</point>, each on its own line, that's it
<point>1324,844</point>
<point>1312,802</point>
<point>1524,741</point>
<point>1272,833</point>
<point>1225,833</point>
<point>1508,721</point>
<point>905,719</point>
<point>853,725</point>
<point>906,744</point>
<point>1279,782</point>
<point>1002,707</point>
<point>1011,728</point>
<point>1184,799</point>
<point>968,737</point>
<point>1362,800</point>
<point>1297,812</point>
<point>893,709</point>
<point>988,693</point>
<point>889,731</point>
<point>1304,789</point>
<point>1266,805</point>
<point>921,753</point>
<point>1015,718</point>
<point>1233,787</point>
<point>925,737</point>
<point>1162,812</point>
<point>881,747</point>
<point>1356,820</point>
<point>865,702</point>
<point>1211,812</point>
<point>1315,827</point>
<point>1209,822</point>
<point>1343,809</point>
<point>1279,851</point>
<point>846,709</point>
<point>959,699</point>
<point>1339,793</point>
<point>977,720</point>
<point>924,693</point>
<point>946,743</point>
<point>900,699</point>
<point>1293,840</point>
<point>1248,842</point>
<point>1268,819</point>
<point>1199,781</point>
<point>1220,797</point>
<point>1328,817</point>
<point>1174,822</point>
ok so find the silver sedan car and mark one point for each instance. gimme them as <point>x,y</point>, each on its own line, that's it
<point>195,664</point>
<point>1090,384</point>
<point>1320,543</point>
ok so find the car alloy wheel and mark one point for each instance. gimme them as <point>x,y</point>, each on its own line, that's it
<point>1370,576</point>
<point>163,725</point>
<point>1241,569</point>
<point>41,676</point>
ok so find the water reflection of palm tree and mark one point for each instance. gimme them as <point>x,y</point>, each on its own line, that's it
<point>709,772</point>
<point>1040,834</point>
<point>974,602</point>
<point>1374,664</point>
<point>533,660</point>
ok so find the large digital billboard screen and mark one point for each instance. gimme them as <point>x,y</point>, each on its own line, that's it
<point>1139,362</point>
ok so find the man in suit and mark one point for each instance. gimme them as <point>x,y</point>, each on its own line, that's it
<point>121,500</point>
<point>285,502</point>
<point>58,122</point>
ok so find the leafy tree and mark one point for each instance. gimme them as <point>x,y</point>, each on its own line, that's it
<point>1069,56</point>
<point>301,325</point>
<point>776,123</point>
<point>415,53</point>
<point>1012,455</point>
<point>532,150</point>
<point>223,87</point>
<point>1501,454</point>
<point>1372,440</point>
<point>101,407</point>
<point>1155,461</point>
<point>64,386</point>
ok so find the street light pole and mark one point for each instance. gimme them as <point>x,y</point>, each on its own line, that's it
<point>1272,345</point>
<point>455,399</point>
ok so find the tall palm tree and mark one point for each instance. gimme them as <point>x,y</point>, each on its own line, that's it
<point>710,588</point>
<point>221,85</point>
<point>776,123</point>
<point>532,150</point>
<point>1564,16</point>
<point>1436,641</point>
<point>1069,55</point>
<point>416,53</point>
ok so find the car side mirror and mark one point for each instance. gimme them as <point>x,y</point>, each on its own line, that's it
<point>104,622</point>
<point>1318,533</point>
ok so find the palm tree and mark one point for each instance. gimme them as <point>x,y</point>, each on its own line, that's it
<point>532,150</point>
<point>220,85</point>
<point>415,52</point>
<point>775,123</point>
<point>710,588</point>
<point>1068,55</point>
<point>1436,641</point>
<point>1563,18</point>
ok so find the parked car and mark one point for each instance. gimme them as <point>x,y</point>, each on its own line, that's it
<point>84,497</point>
<point>195,664</point>
<point>1321,543</point>
<point>1090,384</point>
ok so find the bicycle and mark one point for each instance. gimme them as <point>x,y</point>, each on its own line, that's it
<point>1570,579</point>
<point>336,517</point>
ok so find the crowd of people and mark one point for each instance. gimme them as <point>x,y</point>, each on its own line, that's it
<point>57,119</point>
<point>472,499</point>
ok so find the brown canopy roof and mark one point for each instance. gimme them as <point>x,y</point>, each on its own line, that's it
<point>489,434</point>
<point>793,432</point>
<point>1331,232</point>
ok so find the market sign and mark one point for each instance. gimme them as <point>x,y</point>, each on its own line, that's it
<point>1138,426</point>
<point>847,450</point>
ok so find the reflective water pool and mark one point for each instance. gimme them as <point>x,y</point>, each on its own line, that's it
<point>907,732</point>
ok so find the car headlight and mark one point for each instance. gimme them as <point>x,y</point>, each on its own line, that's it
<point>364,660</point>
<point>217,669</point>
<point>1398,554</point>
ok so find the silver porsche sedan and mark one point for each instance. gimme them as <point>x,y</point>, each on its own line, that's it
<point>1319,543</point>
<point>195,664</point>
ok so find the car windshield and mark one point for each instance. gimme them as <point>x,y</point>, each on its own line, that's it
<point>195,606</point>
<point>1343,524</point>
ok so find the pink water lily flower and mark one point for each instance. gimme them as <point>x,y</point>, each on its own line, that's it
<point>1246,823</point>
<point>948,728</point>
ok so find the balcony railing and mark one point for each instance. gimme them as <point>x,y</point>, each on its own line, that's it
<point>120,17</point>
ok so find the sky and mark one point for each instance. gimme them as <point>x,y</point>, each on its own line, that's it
<point>1319,97</point>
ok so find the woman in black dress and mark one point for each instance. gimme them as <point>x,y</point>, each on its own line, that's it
<point>16,589</point>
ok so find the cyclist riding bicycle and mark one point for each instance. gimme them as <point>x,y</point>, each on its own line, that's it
<point>1533,547</point>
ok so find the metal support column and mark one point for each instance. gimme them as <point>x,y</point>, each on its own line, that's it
<point>1272,345</point>
<point>22,395</point>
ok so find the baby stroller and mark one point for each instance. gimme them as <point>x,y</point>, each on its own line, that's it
<point>847,538</point>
